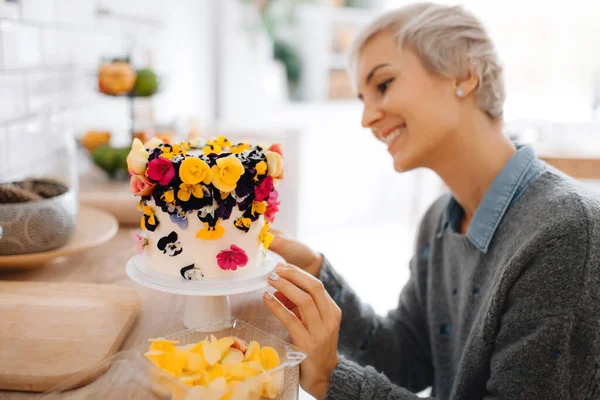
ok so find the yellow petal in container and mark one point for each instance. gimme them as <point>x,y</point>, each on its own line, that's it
<point>269,357</point>
<point>173,362</point>
<point>195,362</point>
<point>162,344</point>
<point>256,366</point>
<point>241,391</point>
<point>224,344</point>
<point>190,380</point>
<point>242,371</point>
<point>253,351</point>
<point>233,357</point>
<point>216,371</point>
<point>155,357</point>
<point>197,347</point>
<point>272,388</point>
<point>212,354</point>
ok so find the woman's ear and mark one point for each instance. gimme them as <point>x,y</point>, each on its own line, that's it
<point>464,87</point>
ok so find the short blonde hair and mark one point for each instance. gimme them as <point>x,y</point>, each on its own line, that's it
<point>449,40</point>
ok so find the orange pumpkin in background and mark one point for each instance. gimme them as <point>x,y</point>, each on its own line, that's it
<point>116,78</point>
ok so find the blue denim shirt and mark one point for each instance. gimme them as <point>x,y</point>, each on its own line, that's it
<point>512,181</point>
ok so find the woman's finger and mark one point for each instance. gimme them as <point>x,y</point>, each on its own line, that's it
<point>297,331</point>
<point>308,310</point>
<point>310,285</point>
<point>285,301</point>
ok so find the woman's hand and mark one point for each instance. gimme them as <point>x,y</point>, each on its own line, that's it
<point>313,320</point>
<point>296,253</point>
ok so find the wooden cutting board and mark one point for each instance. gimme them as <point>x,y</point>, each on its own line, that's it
<point>50,331</point>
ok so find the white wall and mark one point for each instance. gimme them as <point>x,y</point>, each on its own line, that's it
<point>50,49</point>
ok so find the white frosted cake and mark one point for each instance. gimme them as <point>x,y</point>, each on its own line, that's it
<point>206,206</point>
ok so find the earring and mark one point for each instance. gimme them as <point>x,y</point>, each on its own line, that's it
<point>460,92</point>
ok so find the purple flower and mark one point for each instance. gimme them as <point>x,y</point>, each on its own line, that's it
<point>179,219</point>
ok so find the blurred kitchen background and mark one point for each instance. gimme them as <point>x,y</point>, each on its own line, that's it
<point>278,66</point>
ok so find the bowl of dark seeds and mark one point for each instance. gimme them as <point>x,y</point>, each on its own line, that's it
<point>36,215</point>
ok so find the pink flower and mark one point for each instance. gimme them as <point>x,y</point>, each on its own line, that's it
<point>263,189</point>
<point>276,148</point>
<point>232,259</point>
<point>272,206</point>
<point>161,170</point>
<point>140,185</point>
<point>140,242</point>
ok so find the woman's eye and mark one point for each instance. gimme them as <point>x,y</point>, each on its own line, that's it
<point>382,87</point>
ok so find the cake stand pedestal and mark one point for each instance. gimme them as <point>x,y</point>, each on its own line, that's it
<point>207,300</point>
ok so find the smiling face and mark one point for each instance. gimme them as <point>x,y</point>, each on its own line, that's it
<point>409,108</point>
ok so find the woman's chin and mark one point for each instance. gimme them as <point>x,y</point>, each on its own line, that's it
<point>402,163</point>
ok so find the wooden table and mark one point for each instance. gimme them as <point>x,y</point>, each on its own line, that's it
<point>162,313</point>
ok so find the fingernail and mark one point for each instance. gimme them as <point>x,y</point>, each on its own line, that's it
<point>273,276</point>
<point>279,269</point>
<point>268,296</point>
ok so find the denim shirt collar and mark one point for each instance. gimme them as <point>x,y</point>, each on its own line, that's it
<point>512,181</point>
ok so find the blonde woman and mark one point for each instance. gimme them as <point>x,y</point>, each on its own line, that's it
<point>503,300</point>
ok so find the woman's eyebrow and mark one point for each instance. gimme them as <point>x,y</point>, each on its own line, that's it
<point>370,76</point>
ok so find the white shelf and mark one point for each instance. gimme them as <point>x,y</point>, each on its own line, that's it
<point>318,25</point>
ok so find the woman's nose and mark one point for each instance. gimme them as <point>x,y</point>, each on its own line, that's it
<point>370,116</point>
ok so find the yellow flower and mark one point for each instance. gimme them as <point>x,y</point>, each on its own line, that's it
<point>222,141</point>
<point>261,168</point>
<point>212,148</point>
<point>179,149</point>
<point>265,236</point>
<point>137,159</point>
<point>167,152</point>
<point>226,173</point>
<point>185,191</point>
<point>168,196</point>
<point>240,148</point>
<point>259,207</point>
<point>193,171</point>
<point>274,163</point>
<point>148,221</point>
<point>211,232</point>
<point>243,222</point>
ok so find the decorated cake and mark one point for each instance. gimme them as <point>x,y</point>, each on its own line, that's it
<point>205,206</point>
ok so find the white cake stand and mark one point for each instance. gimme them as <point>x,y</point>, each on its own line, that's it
<point>207,300</point>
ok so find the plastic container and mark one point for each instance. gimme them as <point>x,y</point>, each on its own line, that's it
<point>129,375</point>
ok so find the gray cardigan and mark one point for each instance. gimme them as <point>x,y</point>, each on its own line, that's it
<point>520,321</point>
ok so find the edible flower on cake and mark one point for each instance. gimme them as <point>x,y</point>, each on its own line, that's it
<point>265,236</point>
<point>226,173</point>
<point>275,164</point>
<point>161,170</point>
<point>137,158</point>
<point>193,171</point>
<point>211,232</point>
<point>140,185</point>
